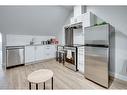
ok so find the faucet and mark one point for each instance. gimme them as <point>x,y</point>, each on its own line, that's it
<point>32,41</point>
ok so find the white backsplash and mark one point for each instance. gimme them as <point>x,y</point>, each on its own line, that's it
<point>14,40</point>
<point>78,36</point>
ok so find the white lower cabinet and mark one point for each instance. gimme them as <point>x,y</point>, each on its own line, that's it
<point>81,59</point>
<point>29,54</point>
<point>81,66</point>
<point>50,51</point>
<point>38,53</point>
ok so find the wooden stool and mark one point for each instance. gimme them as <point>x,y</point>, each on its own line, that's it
<point>40,76</point>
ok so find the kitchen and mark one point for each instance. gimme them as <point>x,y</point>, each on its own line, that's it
<point>38,49</point>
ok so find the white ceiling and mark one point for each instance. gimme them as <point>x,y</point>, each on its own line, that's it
<point>33,20</point>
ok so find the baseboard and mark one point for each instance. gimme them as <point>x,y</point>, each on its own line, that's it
<point>40,61</point>
<point>118,76</point>
<point>15,66</point>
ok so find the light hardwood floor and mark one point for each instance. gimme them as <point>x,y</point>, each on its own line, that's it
<point>64,78</point>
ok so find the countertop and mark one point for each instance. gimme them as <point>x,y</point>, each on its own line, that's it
<point>28,45</point>
<point>74,45</point>
<point>40,45</point>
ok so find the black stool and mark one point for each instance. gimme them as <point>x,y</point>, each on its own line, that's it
<point>57,55</point>
<point>61,57</point>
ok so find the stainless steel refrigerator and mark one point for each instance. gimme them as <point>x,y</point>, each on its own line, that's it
<point>99,53</point>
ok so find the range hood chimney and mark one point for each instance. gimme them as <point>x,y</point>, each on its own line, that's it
<point>78,10</point>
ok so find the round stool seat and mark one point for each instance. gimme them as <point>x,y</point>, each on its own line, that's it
<point>39,76</point>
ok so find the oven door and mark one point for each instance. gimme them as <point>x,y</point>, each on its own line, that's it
<point>70,59</point>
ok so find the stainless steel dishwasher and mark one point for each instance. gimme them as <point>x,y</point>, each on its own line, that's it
<point>15,56</point>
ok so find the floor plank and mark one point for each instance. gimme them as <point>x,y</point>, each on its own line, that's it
<point>64,78</point>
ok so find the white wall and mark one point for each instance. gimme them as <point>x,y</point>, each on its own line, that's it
<point>0,48</point>
<point>32,20</point>
<point>78,10</point>
<point>61,34</point>
<point>0,42</point>
<point>4,49</point>
<point>117,17</point>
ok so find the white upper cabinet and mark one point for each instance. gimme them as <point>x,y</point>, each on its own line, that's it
<point>81,16</point>
<point>88,19</point>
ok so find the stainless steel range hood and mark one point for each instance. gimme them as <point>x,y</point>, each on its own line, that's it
<point>74,26</point>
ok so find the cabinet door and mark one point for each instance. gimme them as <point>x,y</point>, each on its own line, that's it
<point>88,19</point>
<point>53,51</point>
<point>39,53</point>
<point>81,59</point>
<point>29,54</point>
<point>81,63</point>
<point>50,51</point>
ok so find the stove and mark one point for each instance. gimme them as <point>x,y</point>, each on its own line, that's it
<point>71,56</point>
